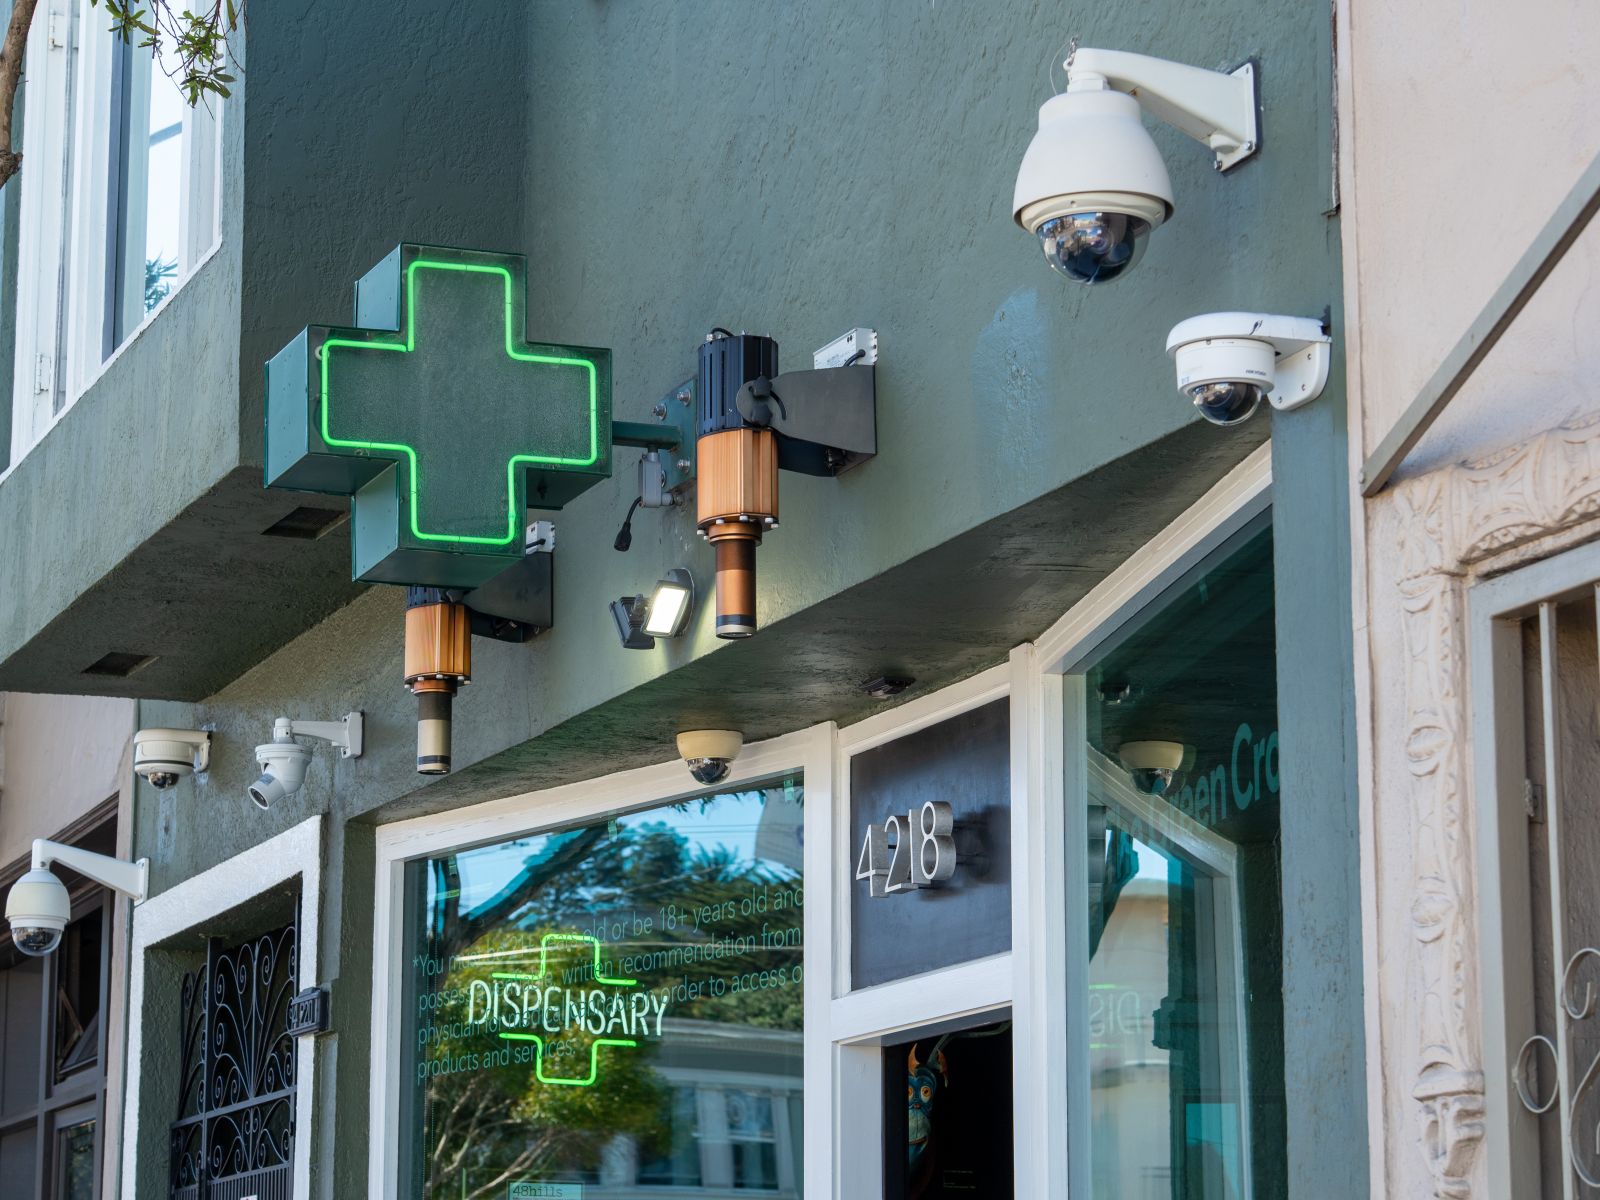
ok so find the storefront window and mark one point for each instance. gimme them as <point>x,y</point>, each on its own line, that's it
<point>616,1007</point>
<point>1183,1005</point>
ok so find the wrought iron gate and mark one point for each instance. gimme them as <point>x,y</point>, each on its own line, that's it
<point>234,1134</point>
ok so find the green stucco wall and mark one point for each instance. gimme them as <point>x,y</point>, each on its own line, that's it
<point>792,169</point>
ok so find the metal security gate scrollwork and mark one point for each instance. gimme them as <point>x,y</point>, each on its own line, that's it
<point>234,1133</point>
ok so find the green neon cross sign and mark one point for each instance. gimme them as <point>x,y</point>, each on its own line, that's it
<point>545,973</point>
<point>438,416</point>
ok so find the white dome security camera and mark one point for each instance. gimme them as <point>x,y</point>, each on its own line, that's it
<point>1093,185</point>
<point>38,909</point>
<point>38,906</point>
<point>1228,362</point>
<point>164,756</point>
<point>283,761</point>
<point>709,753</point>
<point>1153,766</point>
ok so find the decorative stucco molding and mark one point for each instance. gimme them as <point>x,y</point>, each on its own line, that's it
<point>1450,525</point>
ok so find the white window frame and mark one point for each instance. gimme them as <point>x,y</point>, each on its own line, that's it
<point>1501,828</point>
<point>808,751</point>
<point>295,854</point>
<point>64,215</point>
<point>1052,951</point>
<point>846,1029</point>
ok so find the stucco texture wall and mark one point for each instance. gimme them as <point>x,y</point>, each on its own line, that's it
<point>1459,137</point>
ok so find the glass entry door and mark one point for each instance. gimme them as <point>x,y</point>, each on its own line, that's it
<point>1176,995</point>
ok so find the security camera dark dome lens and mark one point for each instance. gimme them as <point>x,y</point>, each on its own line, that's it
<point>35,939</point>
<point>709,770</point>
<point>1226,403</point>
<point>162,779</point>
<point>1093,247</point>
<point>1153,781</point>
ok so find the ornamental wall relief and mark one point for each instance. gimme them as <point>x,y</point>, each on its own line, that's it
<point>1450,527</point>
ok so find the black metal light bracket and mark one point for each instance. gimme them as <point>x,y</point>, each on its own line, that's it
<point>826,419</point>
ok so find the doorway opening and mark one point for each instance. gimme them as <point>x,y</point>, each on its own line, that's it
<point>947,1120</point>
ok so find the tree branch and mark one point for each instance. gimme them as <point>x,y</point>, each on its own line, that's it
<point>12,52</point>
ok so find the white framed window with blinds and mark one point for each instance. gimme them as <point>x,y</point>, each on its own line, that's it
<point>1534,644</point>
<point>118,205</point>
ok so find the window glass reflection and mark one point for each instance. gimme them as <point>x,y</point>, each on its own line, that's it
<point>76,1172</point>
<point>616,1007</point>
<point>1184,1010</point>
<point>148,235</point>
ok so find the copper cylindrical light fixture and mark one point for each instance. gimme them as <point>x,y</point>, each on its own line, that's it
<point>438,661</point>
<point>737,472</point>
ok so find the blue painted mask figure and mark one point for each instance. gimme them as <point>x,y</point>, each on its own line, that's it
<point>922,1085</point>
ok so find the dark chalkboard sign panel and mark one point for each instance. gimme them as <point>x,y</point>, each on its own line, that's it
<point>965,761</point>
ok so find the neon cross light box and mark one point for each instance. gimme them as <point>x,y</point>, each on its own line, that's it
<point>438,415</point>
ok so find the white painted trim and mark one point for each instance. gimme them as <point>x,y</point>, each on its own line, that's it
<point>810,751</point>
<point>1235,495</point>
<point>1038,926</point>
<point>294,853</point>
<point>877,1014</point>
<point>1054,970</point>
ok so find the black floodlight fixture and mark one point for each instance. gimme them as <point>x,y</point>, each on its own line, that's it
<point>671,604</point>
<point>630,614</point>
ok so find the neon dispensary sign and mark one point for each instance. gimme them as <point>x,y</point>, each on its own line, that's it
<point>409,346</point>
<point>611,1009</point>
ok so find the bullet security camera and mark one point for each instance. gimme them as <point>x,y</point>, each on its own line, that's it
<point>709,753</point>
<point>283,761</point>
<point>164,756</point>
<point>1153,766</point>
<point>1093,185</point>
<point>38,906</point>
<point>1228,362</point>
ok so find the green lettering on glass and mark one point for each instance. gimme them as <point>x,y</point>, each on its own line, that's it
<point>589,1012</point>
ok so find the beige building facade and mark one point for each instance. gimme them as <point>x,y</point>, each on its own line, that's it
<point>1463,128</point>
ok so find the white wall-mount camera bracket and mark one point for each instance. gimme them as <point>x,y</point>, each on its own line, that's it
<point>1222,109</point>
<point>345,733</point>
<point>130,878</point>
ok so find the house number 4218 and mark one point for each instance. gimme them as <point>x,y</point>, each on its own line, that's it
<point>909,851</point>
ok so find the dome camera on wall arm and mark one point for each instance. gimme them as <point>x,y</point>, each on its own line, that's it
<point>1093,185</point>
<point>1229,362</point>
<point>164,756</point>
<point>38,906</point>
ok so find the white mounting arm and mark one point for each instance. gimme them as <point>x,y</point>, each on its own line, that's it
<point>1210,106</point>
<point>129,878</point>
<point>344,733</point>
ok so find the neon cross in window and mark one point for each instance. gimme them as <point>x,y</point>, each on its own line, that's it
<point>578,1001</point>
<point>438,416</point>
